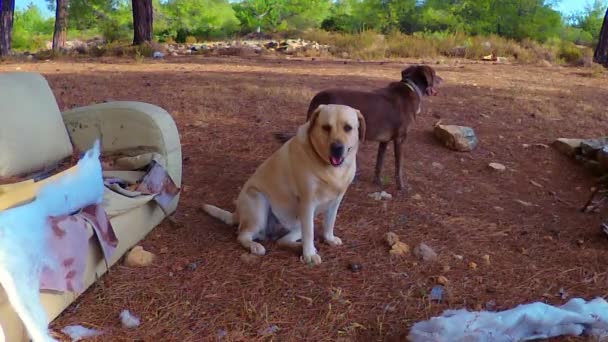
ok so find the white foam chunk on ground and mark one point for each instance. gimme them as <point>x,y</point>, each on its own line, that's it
<point>128,320</point>
<point>523,323</point>
<point>78,332</point>
<point>23,235</point>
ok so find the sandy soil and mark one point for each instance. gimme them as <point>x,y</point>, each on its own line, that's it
<point>227,109</point>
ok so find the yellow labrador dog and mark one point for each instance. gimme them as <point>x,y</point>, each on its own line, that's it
<point>308,174</point>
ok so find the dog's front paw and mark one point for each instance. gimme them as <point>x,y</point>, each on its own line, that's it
<point>311,259</point>
<point>257,249</point>
<point>333,240</point>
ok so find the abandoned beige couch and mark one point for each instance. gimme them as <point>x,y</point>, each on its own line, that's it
<point>34,135</point>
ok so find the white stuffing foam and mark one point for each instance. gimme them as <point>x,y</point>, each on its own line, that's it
<point>23,236</point>
<point>522,323</point>
<point>128,320</point>
<point>78,332</point>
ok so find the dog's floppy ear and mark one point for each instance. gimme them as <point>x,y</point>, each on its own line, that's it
<point>362,126</point>
<point>313,118</point>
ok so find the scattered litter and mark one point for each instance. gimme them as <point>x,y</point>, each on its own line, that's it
<point>128,320</point>
<point>78,332</point>
<point>497,166</point>
<point>424,252</point>
<point>472,265</point>
<point>486,258</point>
<point>562,293</point>
<point>158,55</point>
<point>271,330</point>
<point>437,293</point>
<point>381,195</point>
<point>400,248</point>
<point>523,323</point>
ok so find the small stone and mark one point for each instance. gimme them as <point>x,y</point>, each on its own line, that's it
<point>355,266</point>
<point>538,185</point>
<point>378,196</point>
<point>458,257</point>
<point>486,258</point>
<point>548,238</point>
<point>441,280</point>
<point>192,266</point>
<point>472,265</point>
<point>138,257</point>
<point>250,259</point>
<point>400,248</point>
<point>391,238</point>
<point>425,252</point>
<point>446,268</point>
<point>580,242</point>
<point>491,305</point>
<point>458,138</point>
<point>417,197</point>
<point>497,208</point>
<point>569,147</point>
<point>497,167</point>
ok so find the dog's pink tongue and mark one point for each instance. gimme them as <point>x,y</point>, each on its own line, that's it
<point>335,161</point>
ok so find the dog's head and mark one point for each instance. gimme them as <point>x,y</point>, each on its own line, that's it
<point>335,131</point>
<point>424,77</point>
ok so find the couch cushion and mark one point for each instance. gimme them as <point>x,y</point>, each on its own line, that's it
<point>32,132</point>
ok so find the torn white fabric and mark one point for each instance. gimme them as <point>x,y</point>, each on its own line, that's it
<point>523,323</point>
<point>24,231</point>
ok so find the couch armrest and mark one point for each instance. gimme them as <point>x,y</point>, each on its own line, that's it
<point>123,125</point>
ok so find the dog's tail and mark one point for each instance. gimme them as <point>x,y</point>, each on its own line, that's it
<point>220,214</point>
<point>282,137</point>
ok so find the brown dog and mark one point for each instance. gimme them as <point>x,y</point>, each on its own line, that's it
<point>388,111</point>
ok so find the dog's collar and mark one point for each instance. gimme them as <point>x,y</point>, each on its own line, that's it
<point>416,90</point>
<point>413,86</point>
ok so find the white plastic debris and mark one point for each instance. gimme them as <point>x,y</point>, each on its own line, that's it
<point>158,55</point>
<point>523,323</point>
<point>128,320</point>
<point>381,195</point>
<point>24,230</point>
<point>78,332</point>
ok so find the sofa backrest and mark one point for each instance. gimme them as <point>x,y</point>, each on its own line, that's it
<point>32,133</point>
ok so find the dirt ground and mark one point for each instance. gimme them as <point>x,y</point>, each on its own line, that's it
<point>226,110</point>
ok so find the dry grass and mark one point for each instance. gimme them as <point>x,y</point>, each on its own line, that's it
<point>226,110</point>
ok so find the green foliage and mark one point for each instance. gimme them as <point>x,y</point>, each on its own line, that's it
<point>31,30</point>
<point>281,15</point>
<point>199,18</point>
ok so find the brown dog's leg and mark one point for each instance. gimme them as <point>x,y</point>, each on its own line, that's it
<point>379,162</point>
<point>399,174</point>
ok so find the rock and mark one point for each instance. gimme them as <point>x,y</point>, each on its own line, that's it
<point>417,197</point>
<point>497,167</point>
<point>391,238</point>
<point>437,165</point>
<point>458,138</point>
<point>441,280</point>
<point>486,258</point>
<point>497,208</point>
<point>355,266</point>
<point>158,55</point>
<point>569,147</point>
<point>472,265</point>
<point>458,257</point>
<point>591,147</point>
<point>400,248</point>
<point>425,253</point>
<point>138,257</point>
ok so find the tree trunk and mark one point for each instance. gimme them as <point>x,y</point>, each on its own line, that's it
<point>142,21</point>
<point>7,11</point>
<point>61,25</point>
<point>601,51</point>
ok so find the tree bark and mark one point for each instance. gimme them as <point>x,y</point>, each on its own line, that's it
<point>142,21</point>
<point>601,51</point>
<point>7,11</point>
<point>61,25</point>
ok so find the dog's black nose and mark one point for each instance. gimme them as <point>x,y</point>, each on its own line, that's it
<point>336,149</point>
